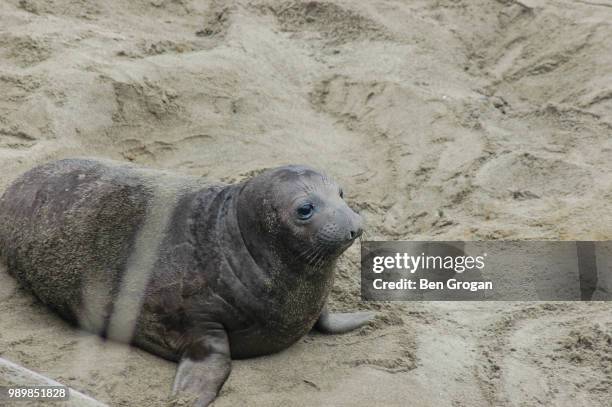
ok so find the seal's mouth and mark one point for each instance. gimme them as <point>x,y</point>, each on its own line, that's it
<point>348,243</point>
<point>353,235</point>
<point>342,246</point>
<point>325,248</point>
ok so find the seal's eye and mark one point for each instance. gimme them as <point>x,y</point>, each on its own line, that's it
<point>341,194</point>
<point>305,211</point>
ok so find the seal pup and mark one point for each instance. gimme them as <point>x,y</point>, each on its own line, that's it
<point>191,271</point>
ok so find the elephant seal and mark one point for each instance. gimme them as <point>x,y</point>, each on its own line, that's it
<point>191,271</point>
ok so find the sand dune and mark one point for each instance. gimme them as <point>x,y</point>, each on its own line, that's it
<point>442,119</point>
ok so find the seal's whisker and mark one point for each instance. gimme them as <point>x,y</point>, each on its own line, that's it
<point>321,259</point>
<point>304,186</point>
<point>315,261</point>
<point>310,252</point>
<point>319,263</point>
<point>318,255</point>
<point>307,252</point>
<point>314,258</point>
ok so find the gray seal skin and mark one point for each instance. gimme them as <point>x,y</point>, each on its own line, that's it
<point>191,271</point>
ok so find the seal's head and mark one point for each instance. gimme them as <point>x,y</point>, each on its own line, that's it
<point>298,211</point>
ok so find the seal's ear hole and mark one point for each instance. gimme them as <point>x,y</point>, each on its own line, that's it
<point>341,192</point>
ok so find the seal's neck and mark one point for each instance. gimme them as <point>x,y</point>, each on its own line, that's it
<point>267,255</point>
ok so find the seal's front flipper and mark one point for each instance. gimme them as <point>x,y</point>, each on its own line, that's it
<point>204,367</point>
<point>340,323</point>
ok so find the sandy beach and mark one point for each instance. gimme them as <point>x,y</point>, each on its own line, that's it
<point>443,120</point>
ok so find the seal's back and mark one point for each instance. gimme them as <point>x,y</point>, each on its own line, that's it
<point>68,229</point>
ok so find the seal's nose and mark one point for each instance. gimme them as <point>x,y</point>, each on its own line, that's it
<point>355,233</point>
<point>356,228</point>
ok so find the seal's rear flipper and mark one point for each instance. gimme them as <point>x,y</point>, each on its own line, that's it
<point>204,367</point>
<point>340,323</point>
